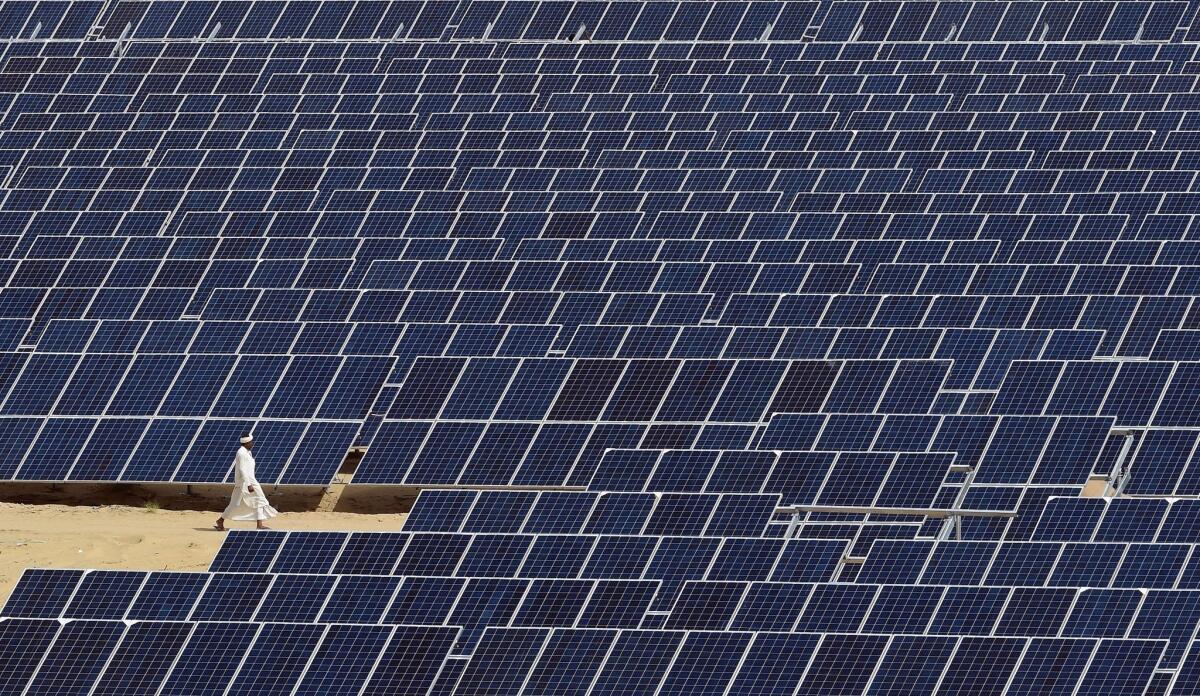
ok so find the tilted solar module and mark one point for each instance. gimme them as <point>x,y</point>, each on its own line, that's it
<point>180,657</point>
<point>745,662</point>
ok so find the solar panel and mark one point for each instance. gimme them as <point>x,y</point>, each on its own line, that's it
<point>103,595</point>
<point>637,661</point>
<point>42,593</point>
<point>25,642</point>
<point>76,658</point>
<point>1128,673</point>
<point>903,609</point>
<point>502,660</point>
<point>705,662</point>
<point>167,596</point>
<point>344,660</point>
<point>842,657</point>
<point>983,663</point>
<point>278,657</point>
<point>359,599</point>
<point>913,663</point>
<point>569,660</point>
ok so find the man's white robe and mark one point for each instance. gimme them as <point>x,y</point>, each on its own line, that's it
<point>244,505</point>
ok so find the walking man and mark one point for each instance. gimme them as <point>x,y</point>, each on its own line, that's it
<point>248,501</point>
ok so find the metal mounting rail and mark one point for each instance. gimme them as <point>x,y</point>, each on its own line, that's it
<point>465,487</point>
<point>922,512</point>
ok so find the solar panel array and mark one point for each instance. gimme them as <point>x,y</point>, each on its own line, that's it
<point>736,347</point>
<point>467,233</point>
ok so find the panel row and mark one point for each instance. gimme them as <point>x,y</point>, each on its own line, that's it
<point>1049,190</point>
<point>527,661</point>
<point>670,560</point>
<point>1165,395</point>
<point>628,278</point>
<point>182,658</point>
<point>1000,72</point>
<point>106,56</point>
<point>211,384</point>
<point>661,390</point>
<point>705,257</point>
<point>656,514</point>
<point>637,21</point>
<point>972,367</point>
<point>183,450</point>
<point>1164,520</point>
<point>1034,563</point>
<point>1006,450</point>
<point>37,244</point>
<point>835,479</point>
<point>472,604</point>
<point>520,217</point>
<point>936,610</point>
<point>477,604</point>
<point>187,659</point>
<point>1139,318</point>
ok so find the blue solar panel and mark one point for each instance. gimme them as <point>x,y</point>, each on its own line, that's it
<point>145,656</point>
<point>25,642</point>
<point>42,593</point>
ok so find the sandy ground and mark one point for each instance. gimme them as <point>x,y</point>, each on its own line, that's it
<point>127,536</point>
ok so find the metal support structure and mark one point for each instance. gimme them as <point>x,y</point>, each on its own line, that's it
<point>122,44</point>
<point>96,31</point>
<point>1118,478</point>
<point>947,513</point>
<point>463,487</point>
<point>960,499</point>
<point>953,518</point>
<point>793,524</point>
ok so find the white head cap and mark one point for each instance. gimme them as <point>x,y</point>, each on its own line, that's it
<point>247,440</point>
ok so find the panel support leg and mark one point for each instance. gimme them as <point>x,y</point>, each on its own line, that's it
<point>793,525</point>
<point>1120,472</point>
